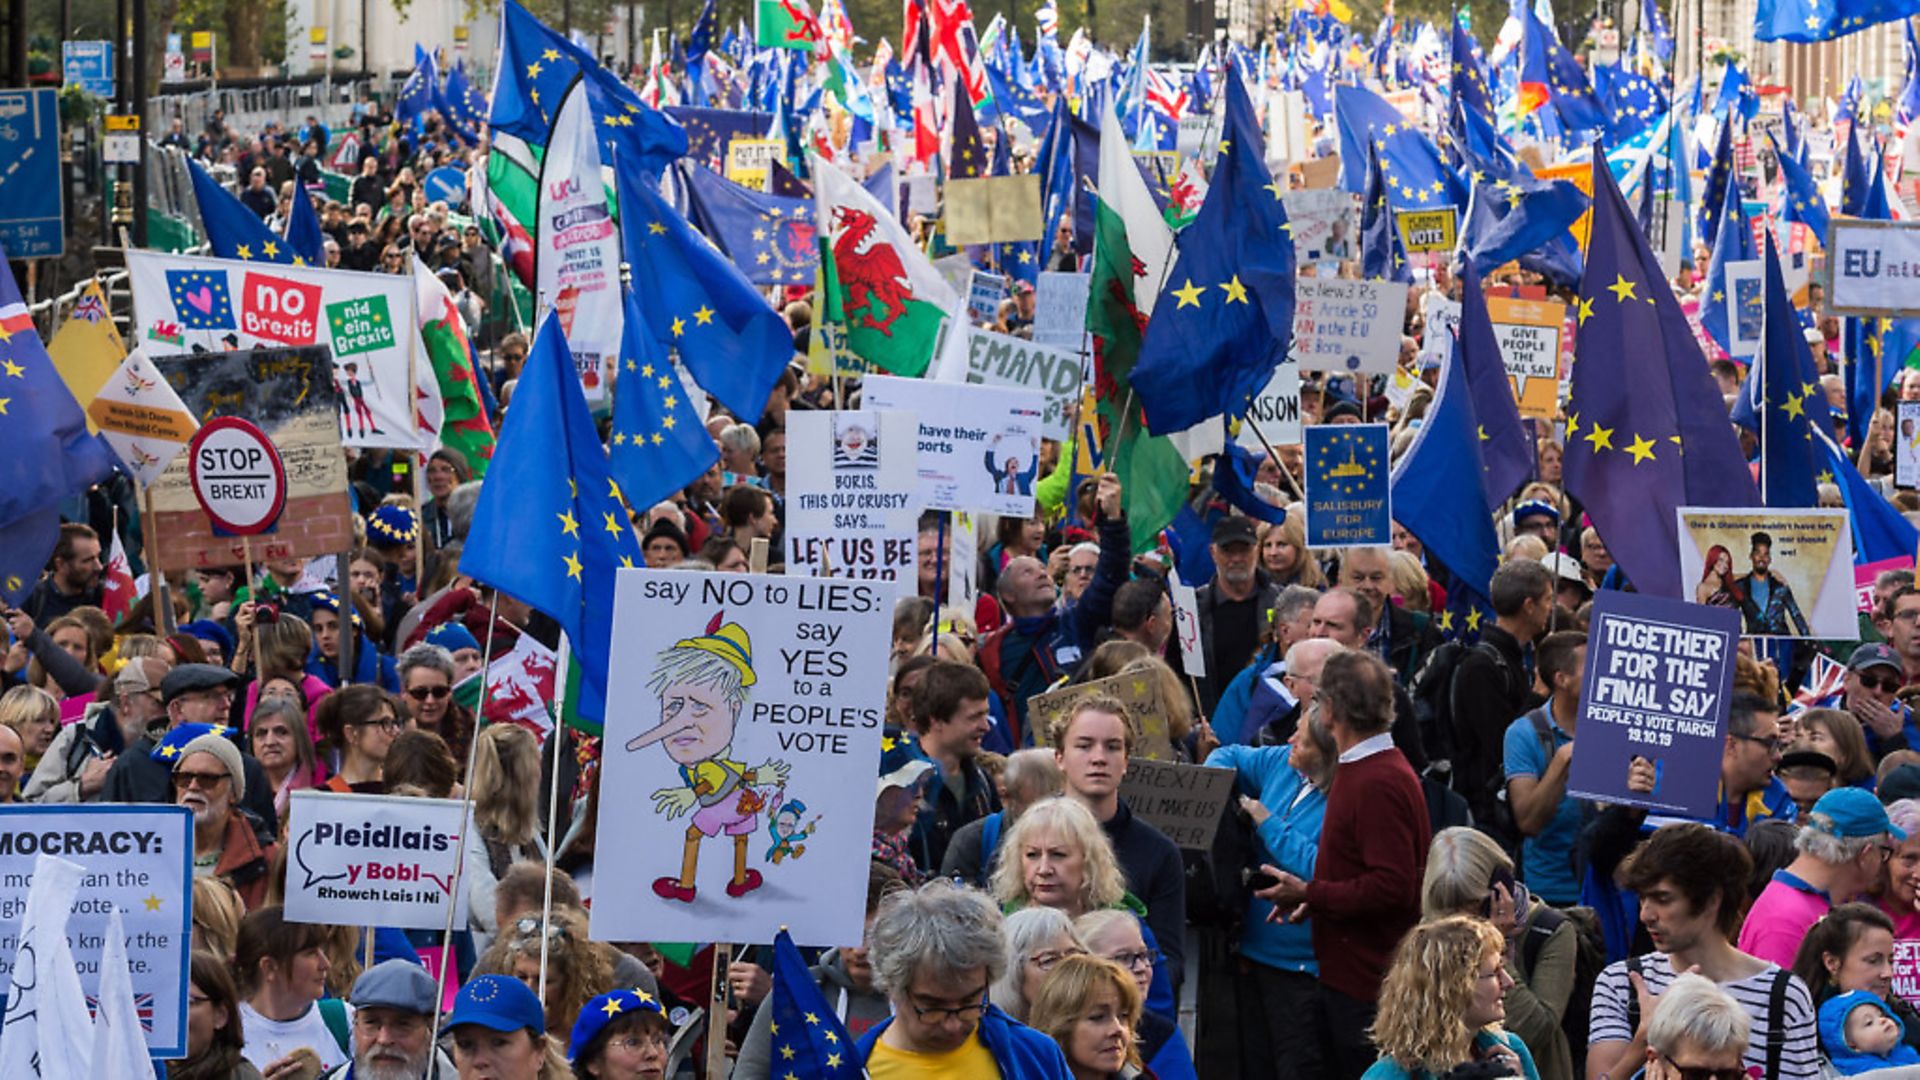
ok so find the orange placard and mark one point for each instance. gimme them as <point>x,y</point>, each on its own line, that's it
<point>1529,335</point>
<point>1581,176</point>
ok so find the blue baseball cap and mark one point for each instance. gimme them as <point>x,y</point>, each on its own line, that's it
<point>498,1003</point>
<point>1851,813</point>
<point>452,637</point>
<point>595,1015</point>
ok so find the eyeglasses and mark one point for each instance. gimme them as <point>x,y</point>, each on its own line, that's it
<point>1140,960</point>
<point>1886,853</point>
<point>1889,685</point>
<point>940,1015</point>
<point>422,693</point>
<point>1080,571</point>
<point>531,925</point>
<point>1683,1072</point>
<point>184,780</point>
<point>387,722</point>
<point>1045,961</point>
<point>634,1043</point>
<point>1775,745</point>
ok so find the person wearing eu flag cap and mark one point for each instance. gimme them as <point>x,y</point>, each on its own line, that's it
<point>620,1035</point>
<point>499,1031</point>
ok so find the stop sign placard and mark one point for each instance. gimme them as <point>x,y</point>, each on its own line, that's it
<point>237,475</point>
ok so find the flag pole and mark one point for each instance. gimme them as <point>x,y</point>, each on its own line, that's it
<point>1292,484</point>
<point>149,541</point>
<point>466,815</point>
<point>557,739</point>
<point>940,574</point>
<point>246,554</point>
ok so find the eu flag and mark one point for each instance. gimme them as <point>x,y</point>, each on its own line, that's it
<point>1511,219</point>
<point>1880,531</point>
<point>416,94</point>
<point>1506,450</point>
<point>1640,388</point>
<point>304,238</point>
<point>966,150</point>
<point>1417,176</point>
<point>1740,295</point>
<point>549,528</point>
<point>1719,179</point>
<point>49,454</point>
<point>468,103</point>
<point>1217,336</point>
<point>1783,402</point>
<point>1822,20</point>
<point>233,231</point>
<point>710,130</point>
<point>1381,255</point>
<point>1800,197</point>
<point>660,444</point>
<point>1854,182</point>
<point>769,237</point>
<point>1471,95</point>
<point>697,302</point>
<point>809,1041</point>
<point>1439,484</point>
<point>25,547</point>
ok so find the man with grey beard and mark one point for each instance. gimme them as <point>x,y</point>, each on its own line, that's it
<point>1232,607</point>
<point>393,1026</point>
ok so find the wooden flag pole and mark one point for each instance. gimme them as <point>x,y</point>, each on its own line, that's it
<point>156,578</point>
<point>466,816</point>
<point>719,993</point>
<point>246,554</point>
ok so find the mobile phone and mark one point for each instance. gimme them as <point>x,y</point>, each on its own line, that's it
<point>1257,879</point>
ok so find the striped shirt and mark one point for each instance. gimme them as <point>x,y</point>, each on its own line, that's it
<point>1799,1055</point>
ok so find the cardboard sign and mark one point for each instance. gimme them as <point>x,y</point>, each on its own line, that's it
<point>747,708</point>
<point>1060,310</point>
<point>1347,326</point>
<point>138,859</point>
<point>1347,489</point>
<point>1186,625</point>
<point>1807,555</point>
<point>1658,679</point>
<point>852,494</point>
<point>1427,231</point>
<point>1004,360</point>
<point>185,304</point>
<point>1184,801</point>
<point>373,860</point>
<point>1322,225</point>
<point>1906,446</point>
<point>290,394</point>
<point>1529,335</point>
<point>1274,412</point>
<point>979,445</point>
<point>994,210</point>
<point>750,161</point>
<point>1140,694</point>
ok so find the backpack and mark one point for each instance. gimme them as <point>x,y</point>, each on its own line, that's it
<point>1589,959</point>
<point>1432,693</point>
<point>333,1013</point>
<point>1776,1011</point>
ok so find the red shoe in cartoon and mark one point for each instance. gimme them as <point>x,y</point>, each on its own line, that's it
<point>745,885</point>
<point>669,888</point>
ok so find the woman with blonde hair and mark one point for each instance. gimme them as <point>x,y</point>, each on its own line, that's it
<point>506,793</point>
<point>1112,656</point>
<point>217,912</point>
<point>1409,582</point>
<point>1055,855</point>
<point>578,970</point>
<point>1440,1005</point>
<point>1091,1008</point>
<point>1284,555</point>
<point>34,715</point>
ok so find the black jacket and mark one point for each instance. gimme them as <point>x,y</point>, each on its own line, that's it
<point>1207,600</point>
<point>137,778</point>
<point>1157,878</point>
<point>1411,637</point>
<point>1487,695</point>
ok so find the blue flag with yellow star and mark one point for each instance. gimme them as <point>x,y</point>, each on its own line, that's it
<point>1506,450</point>
<point>1521,218</point>
<point>697,301</point>
<point>233,231</point>
<point>966,149</point>
<point>1418,177</point>
<point>1217,336</point>
<point>25,546</point>
<point>769,237</point>
<point>1800,198</point>
<point>809,1041</point>
<point>1782,401</point>
<point>304,238</point>
<point>659,444</point>
<point>1813,20</point>
<point>1347,485</point>
<point>1382,258</point>
<point>1639,390</point>
<point>1740,292</point>
<point>1018,259</point>
<point>1719,179</point>
<point>1439,485</point>
<point>549,528</point>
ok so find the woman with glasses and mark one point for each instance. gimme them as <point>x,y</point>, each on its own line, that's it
<point>426,688</point>
<point>1091,1008</point>
<point>1037,939</point>
<point>1468,874</point>
<point>362,720</point>
<point>1899,892</point>
<point>1115,936</point>
<point>577,969</point>
<point>1441,1005</point>
<point>215,1040</point>
<point>1698,1032</point>
<point>621,1035</point>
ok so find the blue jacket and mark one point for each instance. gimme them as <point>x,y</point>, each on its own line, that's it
<point>1231,721</point>
<point>1021,1052</point>
<point>1387,1069</point>
<point>1291,837</point>
<point>370,665</point>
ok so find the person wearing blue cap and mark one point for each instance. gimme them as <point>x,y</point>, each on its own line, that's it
<point>620,1035</point>
<point>499,1032</point>
<point>460,644</point>
<point>1843,847</point>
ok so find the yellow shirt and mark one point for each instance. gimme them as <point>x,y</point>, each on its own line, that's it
<point>972,1061</point>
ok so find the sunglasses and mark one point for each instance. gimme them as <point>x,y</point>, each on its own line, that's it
<point>1707,1073</point>
<point>422,693</point>
<point>184,780</point>
<point>1891,684</point>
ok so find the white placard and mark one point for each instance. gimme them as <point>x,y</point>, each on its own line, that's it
<point>577,250</point>
<point>1441,319</point>
<point>1906,446</point>
<point>1347,326</point>
<point>1275,410</point>
<point>747,708</point>
<point>1873,266</point>
<point>984,293</point>
<point>1746,307</point>
<point>1060,309</point>
<point>963,561</point>
<point>852,493</point>
<point>979,445</point>
<point>373,860</point>
<point>1004,360</point>
<point>1322,225</point>
<point>1186,625</point>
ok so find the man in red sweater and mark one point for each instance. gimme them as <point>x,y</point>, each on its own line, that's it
<point>1365,892</point>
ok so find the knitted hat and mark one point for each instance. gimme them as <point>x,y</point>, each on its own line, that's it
<point>217,744</point>
<point>452,637</point>
<point>595,1015</point>
<point>391,526</point>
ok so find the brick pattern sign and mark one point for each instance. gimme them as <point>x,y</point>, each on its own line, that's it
<point>291,395</point>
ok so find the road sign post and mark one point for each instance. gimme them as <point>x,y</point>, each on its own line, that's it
<point>88,65</point>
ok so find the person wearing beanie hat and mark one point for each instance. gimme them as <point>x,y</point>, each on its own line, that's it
<point>370,665</point>
<point>461,645</point>
<point>620,1033</point>
<point>393,531</point>
<point>210,780</point>
<point>665,545</point>
<point>211,633</point>
<point>1843,846</point>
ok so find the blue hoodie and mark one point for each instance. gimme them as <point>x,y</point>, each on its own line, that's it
<point>1291,836</point>
<point>1021,1052</point>
<point>1833,1035</point>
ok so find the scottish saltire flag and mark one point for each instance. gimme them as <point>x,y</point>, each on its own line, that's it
<point>771,238</point>
<point>1823,20</point>
<point>233,231</point>
<point>659,441</point>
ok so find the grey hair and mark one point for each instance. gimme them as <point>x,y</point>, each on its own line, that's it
<point>1298,652</point>
<point>1697,1012</point>
<point>431,657</point>
<point>460,503</point>
<point>740,437</point>
<point>1828,848</point>
<point>1084,547</point>
<point>1460,868</point>
<point>1905,815</point>
<point>1024,932</point>
<point>1034,772</point>
<point>1292,601</point>
<point>941,928</point>
<point>686,664</point>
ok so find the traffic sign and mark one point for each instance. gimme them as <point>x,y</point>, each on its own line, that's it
<point>31,194</point>
<point>238,477</point>
<point>88,65</point>
<point>121,143</point>
<point>446,184</point>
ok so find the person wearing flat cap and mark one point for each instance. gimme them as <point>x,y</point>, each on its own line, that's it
<point>210,780</point>
<point>499,1032</point>
<point>196,694</point>
<point>393,1026</point>
<point>621,1035</point>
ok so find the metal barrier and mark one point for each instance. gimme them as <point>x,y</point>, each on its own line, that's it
<point>249,109</point>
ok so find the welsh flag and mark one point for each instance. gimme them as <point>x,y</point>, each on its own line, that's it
<point>464,425</point>
<point>1132,252</point>
<point>876,283</point>
<point>785,24</point>
<point>519,688</point>
<point>116,581</point>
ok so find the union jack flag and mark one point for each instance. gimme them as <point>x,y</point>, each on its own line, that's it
<point>1826,682</point>
<point>142,1008</point>
<point>91,307</point>
<point>1167,97</point>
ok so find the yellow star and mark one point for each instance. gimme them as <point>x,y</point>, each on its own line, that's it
<point>153,902</point>
<point>1484,437</point>
<point>656,228</point>
<point>533,70</point>
<point>1795,407</point>
<point>678,326</point>
<point>658,438</point>
<point>1825,476</point>
<point>704,316</point>
<point>832,1038</point>
<point>613,522</point>
<point>550,54</point>
<point>1189,295</point>
<point>647,371</point>
<point>1274,186</point>
<point>13,369</point>
<point>1600,438</point>
<point>1586,309</point>
<point>169,751</point>
<point>5,335</point>
<point>1622,289</point>
<point>612,1007</point>
<point>1641,448</point>
<point>664,381</point>
<point>813,1018</point>
<point>1446,622</point>
<point>1236,292</point>
<point>619,438</point>
<point>833,1060</point>
<point>1473,619</point>
<point>786,1052</point>
<point>626,563</point>
<point>667,422</point>
<point>243,251</point>
<point>773,1029</point>
<point>568,526</point>
<point>269,249</point>
<point>573,566</point>
<point>670,402</point>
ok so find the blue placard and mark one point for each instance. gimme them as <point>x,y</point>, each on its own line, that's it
<point>1659,676</point>
<point>88,65</point>
<point>1347,486</point>
<point>31,217</point>
<point>446,184</point>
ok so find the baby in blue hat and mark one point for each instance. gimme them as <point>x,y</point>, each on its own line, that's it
<point>1860,1034</point>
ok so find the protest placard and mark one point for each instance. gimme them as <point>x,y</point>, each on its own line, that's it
<point>139,860</point>
<point>1659,675</point>
<point>1426,231</point>
<point>1744,300</point>
<point>750,161</point>
<point>1866,574</point>
<point>749,706</point>
<point>1442,319</point>
<point>1322,225</point>
<point>1529,335</point>
<point>1275,411</point>
<point>291,395</point>
<point>1871,265</point>
<point>984,293</point>
<point>963,561</point>
<point>1004,360</point>
<point>993,209</point>
<point>186,304</point>
<point>1906,969</point>
<point>1347,500</point>
<point>1347,326</point>
<point>1060,310</point>
<point>852,494</point>
<point>1187,802</point>
<point>1139,693</point>
<point>373,860</point>
<point>1186,625</point>
<point>1788,573</point>
<point>979,445</point>
<point>1906,446</point>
